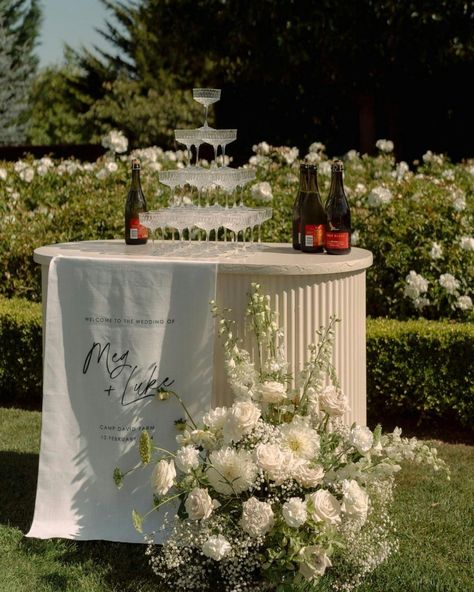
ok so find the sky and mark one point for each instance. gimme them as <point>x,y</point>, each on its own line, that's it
<point>69,21</point>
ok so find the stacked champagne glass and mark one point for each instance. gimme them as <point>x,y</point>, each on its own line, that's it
<point>206,201</point>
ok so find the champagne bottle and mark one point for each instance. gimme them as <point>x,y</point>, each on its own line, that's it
<point>313,216</point>
<point>135,233</point>
<point>297,208</point>
<point>338,230</point>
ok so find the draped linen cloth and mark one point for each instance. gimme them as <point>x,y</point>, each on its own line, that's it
<point>117,332</point>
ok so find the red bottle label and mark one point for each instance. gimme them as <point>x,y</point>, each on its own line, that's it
<point>337,239</point>
<point>314,235</point>
<point>137,230</point>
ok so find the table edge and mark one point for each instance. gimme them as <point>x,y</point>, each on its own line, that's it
<point>315,264</point>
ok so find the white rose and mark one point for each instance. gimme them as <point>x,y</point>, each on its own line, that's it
<point>317,147</point>
<point>355,499</point>
<point>464,303</point>
<point>27,174</point>
<point>361,438</point>
<point>308,476</point>
<point>273,392</point>
<point>241,420</point>
<point>459,201</point>
<point>448,282</point>
<point>355,238</point>
<point>3,174</point>
<point>324,506</point>
<point>199,504</point>
<point>295,512</point>
<point>313,562</point>
<point>115,141</point>
<point>384,145</point>
<point>216,547</point>
<point>257,517</point>
<point>111,166</point>
<point>261,148</point>
<point>262,191</point>
<point>333,401</point>
<point>379,196</point>
<point>163,477</point>
<point>187,458</point>
<point>467,243</point>
<point>274,461</point>
<point>436,251</point>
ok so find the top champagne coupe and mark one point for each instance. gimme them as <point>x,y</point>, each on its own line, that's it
<point>206,96</point>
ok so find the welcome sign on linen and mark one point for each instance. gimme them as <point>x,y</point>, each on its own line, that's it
<point>116,331</point>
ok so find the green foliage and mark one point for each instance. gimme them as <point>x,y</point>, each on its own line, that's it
<point>42,202</point>
<point>421,368</point>
<point>21,363</point>
<point>19,28</point>
<point>146,117</point>
<point>293,67</point>
<point>56,108</point>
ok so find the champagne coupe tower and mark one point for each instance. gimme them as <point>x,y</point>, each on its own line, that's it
<point>206,184</point>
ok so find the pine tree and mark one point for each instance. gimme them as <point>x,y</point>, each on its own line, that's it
<point>19,28</point>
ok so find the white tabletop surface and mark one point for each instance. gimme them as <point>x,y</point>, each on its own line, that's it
<point>270,258</point>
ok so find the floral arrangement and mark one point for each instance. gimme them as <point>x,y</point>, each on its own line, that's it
<point>275,491</point>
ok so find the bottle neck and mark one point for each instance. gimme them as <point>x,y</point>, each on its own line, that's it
<point>313,181</point>
<point>304,180</point>
<point>136,185</point>
<point>337,184</point>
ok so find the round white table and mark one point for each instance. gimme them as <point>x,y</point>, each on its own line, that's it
<point>305,290</point>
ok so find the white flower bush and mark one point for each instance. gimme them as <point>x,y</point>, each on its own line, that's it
<point>416,216</point>
<point>279,492</point>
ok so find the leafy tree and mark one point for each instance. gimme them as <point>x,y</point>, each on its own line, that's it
<point>19,27</point>
<point>57,111</point>
<point>291,71</point>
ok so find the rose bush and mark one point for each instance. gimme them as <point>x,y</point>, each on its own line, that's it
<point>417,220</point>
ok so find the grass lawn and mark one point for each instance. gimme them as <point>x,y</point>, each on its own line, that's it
<point>434,517</point>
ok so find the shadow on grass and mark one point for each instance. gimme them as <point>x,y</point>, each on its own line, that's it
<point>18,476</point>
<point>122,566</point>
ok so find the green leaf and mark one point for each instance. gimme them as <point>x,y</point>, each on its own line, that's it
<point>145,447</point>
<point>137,521</point>
<point>118,477</point>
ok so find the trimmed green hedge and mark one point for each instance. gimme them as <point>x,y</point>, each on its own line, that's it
<point>419,367</point>
<point>20,353</point>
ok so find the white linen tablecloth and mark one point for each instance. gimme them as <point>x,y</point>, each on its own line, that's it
<point>116,330</point>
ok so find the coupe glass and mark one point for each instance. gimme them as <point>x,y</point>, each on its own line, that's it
<point>205,220</point>
<point>189,138</point>
<point>219,138</point>
<point>206,96</point>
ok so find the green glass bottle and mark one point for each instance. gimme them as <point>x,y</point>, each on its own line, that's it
<point>313,216</point>
<point>135,233</point>
<point>338,230</point>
